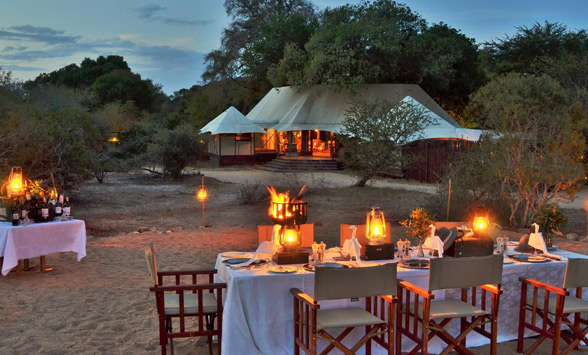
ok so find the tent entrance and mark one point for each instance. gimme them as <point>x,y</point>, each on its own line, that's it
<point>307,143</point>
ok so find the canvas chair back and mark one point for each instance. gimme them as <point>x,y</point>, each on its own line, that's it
<point>334,283</point>
<point>151,264</point>
<point>576,275</point>
<point>465,272</point>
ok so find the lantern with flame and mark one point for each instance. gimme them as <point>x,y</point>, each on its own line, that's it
<point>375,226</point>
<point>290,238</point>
<point>481,221</point>
<point>202,195</point>
<point>15,182</point>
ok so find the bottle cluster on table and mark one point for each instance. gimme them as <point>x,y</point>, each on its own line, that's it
<point>40,209</point>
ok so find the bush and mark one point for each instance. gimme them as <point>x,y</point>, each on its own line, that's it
<point>250,193</point>
<point>550,218</point>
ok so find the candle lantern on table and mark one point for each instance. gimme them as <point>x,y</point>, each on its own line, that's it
<point>481,221</point>
<point>475,242</point>
<point>290,214</point>
<point>375,232</point>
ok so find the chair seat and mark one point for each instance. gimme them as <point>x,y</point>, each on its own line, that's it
<point>345,317</point>
<point>571,304</point>
<point>172,303</point>
<point>450,309</point>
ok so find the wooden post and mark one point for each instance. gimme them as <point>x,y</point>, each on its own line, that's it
<point>448,200</point>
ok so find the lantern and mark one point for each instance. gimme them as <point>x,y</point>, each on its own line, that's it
<point>375,226</point>
<point>202,195</point>
<point>15,183</point>
<point>290,238</point>
<point>481,221</point>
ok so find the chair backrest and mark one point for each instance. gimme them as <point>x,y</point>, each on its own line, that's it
<point>576,275</point>
<point>465,272</point>
<point>345,233</point>
<point>264,233</point>
<point>335,283</point>
<point>151,264</point>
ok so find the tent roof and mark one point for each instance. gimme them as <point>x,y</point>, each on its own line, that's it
<point>231,121</point>
<point>324,108</point>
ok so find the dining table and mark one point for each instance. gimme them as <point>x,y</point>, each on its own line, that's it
<point>258,306</point>
<point>25,242</point>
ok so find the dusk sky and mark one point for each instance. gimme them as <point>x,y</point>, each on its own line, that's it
<point>166,41</point>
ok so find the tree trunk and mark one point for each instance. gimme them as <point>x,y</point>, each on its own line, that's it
<point>365,179</point>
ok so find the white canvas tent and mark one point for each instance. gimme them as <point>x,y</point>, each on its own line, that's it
<point>231,121</point>
<point>324,108</point>
<point>232,137</point>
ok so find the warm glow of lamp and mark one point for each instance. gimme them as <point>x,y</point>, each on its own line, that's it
<point>290,238</point>
<point>375,226</point>
<point>481,220</point>
<point>15,183</point>
<point>114,140</point>
<point>202,193</point>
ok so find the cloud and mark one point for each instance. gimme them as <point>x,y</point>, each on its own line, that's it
<point>38,34</point>
<point>150,13</point>
<point>11,48</point>
<point>36,30</point>
<point>21,68</point>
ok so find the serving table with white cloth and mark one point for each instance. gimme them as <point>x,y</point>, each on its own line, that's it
<point>40,239</point>
<point>258,309</point>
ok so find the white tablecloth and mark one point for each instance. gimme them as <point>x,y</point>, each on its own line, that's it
<point>38,239</point>
<point>258,309</point>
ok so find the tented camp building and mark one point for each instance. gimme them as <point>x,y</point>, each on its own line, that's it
<point>305,121</point>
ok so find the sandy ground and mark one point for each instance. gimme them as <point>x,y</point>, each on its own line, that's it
<point>102,304</point>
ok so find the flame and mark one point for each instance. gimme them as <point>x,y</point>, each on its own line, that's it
<point>276,209</point>
<point>202,193</point>
<point>377,231</point>
<point>290,236</point>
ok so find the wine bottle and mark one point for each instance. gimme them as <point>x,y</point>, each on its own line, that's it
<point>59,207</point>
<point>44,210</point>
<point>22,208</point>
<point>67,208</point>
<point>15,216</point>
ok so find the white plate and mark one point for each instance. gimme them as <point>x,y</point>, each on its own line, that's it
<point>282,269</point>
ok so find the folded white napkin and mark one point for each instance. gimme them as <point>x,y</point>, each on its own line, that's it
<point>276,238</point>
<point>352,247</point>
<point>264,251</point>
<point>536,241</point>
<point>435,243</point>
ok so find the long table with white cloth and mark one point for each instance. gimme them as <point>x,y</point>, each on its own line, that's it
<point>258,306</point>
<point>40,239</point>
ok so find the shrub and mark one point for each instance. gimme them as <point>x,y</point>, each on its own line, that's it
<point>250,193</point>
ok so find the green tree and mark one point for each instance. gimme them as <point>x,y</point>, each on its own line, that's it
<point>256,38</point>
<point>123,86</point>
<point>374,132</point>
<point>533,150</point>
<point>520,52</point>
<point>384,42</point>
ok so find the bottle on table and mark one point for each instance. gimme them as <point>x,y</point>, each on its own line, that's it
<point>15,216</point>
<point>59,207</point>
<point>67,208</point>
<point>44,210</point>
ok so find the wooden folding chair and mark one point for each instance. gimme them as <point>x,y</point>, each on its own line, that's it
<point>553,306</point>
<point>477,311</point>
<point>376,284</point>
<point>200,302</point>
